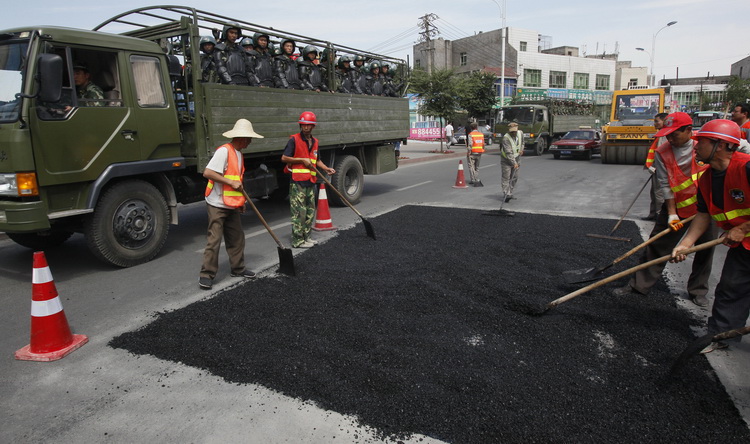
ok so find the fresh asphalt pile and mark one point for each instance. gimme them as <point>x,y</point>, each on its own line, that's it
<point>420,331</point>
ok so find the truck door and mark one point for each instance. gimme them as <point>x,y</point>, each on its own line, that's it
<point>90,128</point>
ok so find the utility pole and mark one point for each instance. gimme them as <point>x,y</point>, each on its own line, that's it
<point>429,30</point>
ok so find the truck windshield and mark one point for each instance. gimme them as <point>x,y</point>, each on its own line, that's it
<point>12,56</point>
<point>637,106</point>
<point>522,115</point>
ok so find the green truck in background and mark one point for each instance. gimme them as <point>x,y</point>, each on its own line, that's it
<point>545,121</point>
<point>117,172</point>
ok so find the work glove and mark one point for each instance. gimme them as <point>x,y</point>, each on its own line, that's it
<point>652,170</point>
<point>674,222</point>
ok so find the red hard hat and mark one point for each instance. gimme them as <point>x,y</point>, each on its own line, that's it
<point>308,118</point>
<point>721,129</point>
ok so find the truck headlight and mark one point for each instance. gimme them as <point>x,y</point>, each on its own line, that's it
<point>19,184</point>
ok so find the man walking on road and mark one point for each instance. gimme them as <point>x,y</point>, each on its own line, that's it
<point>225,201</point>
<point>300,154</point>
<point>677,174</point>
<point>724,196</point>
<point>474,150</point>
<point>449,134</point>
<point>512,150</point>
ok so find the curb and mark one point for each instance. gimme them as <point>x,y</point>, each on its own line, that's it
<point>438,156</point>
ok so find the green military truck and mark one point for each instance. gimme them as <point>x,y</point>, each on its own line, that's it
<point>543,122</point>
<point>116,169</point>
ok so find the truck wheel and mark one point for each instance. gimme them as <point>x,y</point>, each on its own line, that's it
<point>349,180</point>
<point>539,147</point>
<point>129,225</point>
<point>609,154</point>
<point>41,241</point>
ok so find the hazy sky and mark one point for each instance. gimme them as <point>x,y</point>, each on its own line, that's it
<point>709,35</point>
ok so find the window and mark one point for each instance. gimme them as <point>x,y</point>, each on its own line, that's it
<point>148,82</point>
<point>580,80</point>
<point>532,77</point>
<point>417,63</point>
<point>523,46</point>
<point>463,59</point>
<point>632,82</point>
<point>602,82</point>
<point>557,79</point>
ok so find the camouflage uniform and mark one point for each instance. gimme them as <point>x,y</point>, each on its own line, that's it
<point>90,92</point>
<point>302,205</point>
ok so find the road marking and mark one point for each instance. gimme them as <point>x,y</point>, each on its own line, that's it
<point>487,166</point>
<point>255,233</point>
<point>414,186</point>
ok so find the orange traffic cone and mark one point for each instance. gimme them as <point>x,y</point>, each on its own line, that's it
<point>50,335</point>
<point>460,182</point>
<point>323,220</point>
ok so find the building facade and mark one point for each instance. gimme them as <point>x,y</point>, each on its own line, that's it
<point>741,69</point>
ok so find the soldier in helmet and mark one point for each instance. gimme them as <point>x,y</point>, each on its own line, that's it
<point>249,48</point>
<point>310,74</point>
<point>356,74</point>
<point>372,84</point>
<point>327,66</point>
<point>390,88</point>
<point>208,63</point>
<point>263,59</point>
<point>342,80</point>
<point>231,60</point>
<point>286,75</point>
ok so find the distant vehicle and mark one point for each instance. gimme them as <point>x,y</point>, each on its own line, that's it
<point>630,131</point>
<point>701,117</point>
<point>580,143</point>
<point>460,136</point>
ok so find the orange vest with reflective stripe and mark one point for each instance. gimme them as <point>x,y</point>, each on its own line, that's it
<point>745,128</point>
<point>477,142</point>
<point>651,153</point>
<point>300,172</point>
<point>736,209</point>
<point>232,198</point>
<point>683,187</point>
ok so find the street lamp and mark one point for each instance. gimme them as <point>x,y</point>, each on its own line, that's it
<point>502,53</point>
<point>653,50</point>
<point>651,60</point>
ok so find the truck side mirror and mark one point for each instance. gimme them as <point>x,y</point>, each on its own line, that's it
<point>50,68</point>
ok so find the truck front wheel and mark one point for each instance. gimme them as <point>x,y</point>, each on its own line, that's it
<point>539,147</point>
<point>129,225</point>
<point>349,180</point>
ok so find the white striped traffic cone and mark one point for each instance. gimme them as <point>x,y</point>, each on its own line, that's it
<point>50,335</point>
<point>323,220</point>
<point>460,182</point>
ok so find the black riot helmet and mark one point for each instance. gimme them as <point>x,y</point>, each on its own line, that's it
<point>258,35</point>
<point>247,41</point>
<point>309,49</point>
<point>284,42</point>
<point>342,60</point>
<point>206,39</point>
<point>229,26</point>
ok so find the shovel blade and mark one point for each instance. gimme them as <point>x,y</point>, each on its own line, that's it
<point>368,227</point>
<point>582,275</point>
<point>286,261</point>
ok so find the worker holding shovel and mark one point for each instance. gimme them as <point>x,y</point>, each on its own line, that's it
<point>724,196</point>
<point>511,151</point>
<point>225,201</point>
<point>676,174</point>
<point>300,155</point>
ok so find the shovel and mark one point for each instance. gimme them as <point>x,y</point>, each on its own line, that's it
<point>617,225</point>
<point>627,272</point>
<point>699,344</point>
<point>286,258</point>
<point>368,226</point>
<point>592,274</point>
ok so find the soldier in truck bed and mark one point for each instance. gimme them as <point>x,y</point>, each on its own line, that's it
<point>230,58</point>
<point>263,60</point>
<point>208,64</point>
<point>310,74</point>
<point>286,75</point>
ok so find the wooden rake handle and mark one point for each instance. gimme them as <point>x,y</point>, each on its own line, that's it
<point>629,271</point>
<point>265,224</point>
<point>731,334</point>
<point>341,196</point>
<point>649,241</point>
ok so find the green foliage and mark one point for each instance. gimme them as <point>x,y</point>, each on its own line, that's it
<point>738,90</point>
<point>437,91</point>
<point>477,93</point>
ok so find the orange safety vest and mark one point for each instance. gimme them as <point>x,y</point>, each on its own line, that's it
<point>477,142</point>
<point>683,187</point>
<point>300,172</point>
<point>232,198</point>
<point>651,153</point>
<point>736,209</point>
<point>745,128</point>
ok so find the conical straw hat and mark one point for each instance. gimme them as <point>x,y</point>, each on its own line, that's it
<point>242,128</point>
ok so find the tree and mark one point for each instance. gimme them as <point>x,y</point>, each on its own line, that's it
<point>438,92</point>
<point>477,94</point>
<point>738,90</point>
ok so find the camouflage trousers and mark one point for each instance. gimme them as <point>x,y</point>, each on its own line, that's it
<point>302,204</point>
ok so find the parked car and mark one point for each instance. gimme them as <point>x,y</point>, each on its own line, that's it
<point>460,136</point>
<point>580,143</point>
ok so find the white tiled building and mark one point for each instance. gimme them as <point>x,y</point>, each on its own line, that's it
<point>526,64</point>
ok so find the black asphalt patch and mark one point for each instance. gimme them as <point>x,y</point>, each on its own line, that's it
<point>420,332</point>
